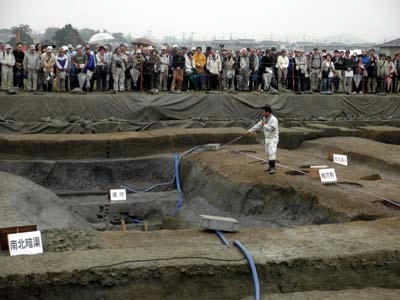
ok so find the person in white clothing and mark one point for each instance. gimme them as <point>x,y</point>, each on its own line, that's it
<point>269,123</point>
<point>214,68</point>
<point>7,62</point>
<point>282,65</point>
<point>164,68</point>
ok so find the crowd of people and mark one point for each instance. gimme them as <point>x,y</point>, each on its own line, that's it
<point>176,69</point>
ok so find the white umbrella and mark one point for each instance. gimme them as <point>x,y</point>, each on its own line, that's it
<point>100,37</point>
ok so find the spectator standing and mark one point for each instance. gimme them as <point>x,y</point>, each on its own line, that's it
<point>136,62</point>
<point>7,62</point>
<point>19,67</point>
<point>253,70</point>
<point>283,64</point>
<point>290,78</point>
<point>31,66</point>
<point>372,70</point>
<point>62,68</point>
<point>101,69</point>
<point>267,69</point>
<point>244,70</point>
<point>316,65</point>
<point>328,71</point>
<point>396,73</point>
<point>214,68</point>
<point>118,71</point>
<point>228,72</point>
<point>200,61</point>
<point>90,66</point>
<point>300,73</point>
<point>79,64</point>
<point>190,72</point>
<point>48,60</point>
<point>348,66</point>
<point>164,66</point>
<point>337,79</point>
<point>358,75</point>
<point>178,65</point>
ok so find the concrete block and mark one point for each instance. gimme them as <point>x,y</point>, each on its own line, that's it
<point>212,147</point>
<point>219,223</point>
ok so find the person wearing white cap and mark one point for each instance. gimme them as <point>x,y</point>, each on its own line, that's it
<point>32,65</point>
<point>164,62</point>
<point>135,61</point>
<point>7,62</point>
<point>79,62</point>
<point>301,69</point>
<point>151,70</point>
<point>48,60</point>
<point>61,67</point>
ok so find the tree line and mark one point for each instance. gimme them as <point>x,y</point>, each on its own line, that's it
<point>54,35</point>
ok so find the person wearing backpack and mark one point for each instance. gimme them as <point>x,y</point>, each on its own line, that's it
<point>316,65</point>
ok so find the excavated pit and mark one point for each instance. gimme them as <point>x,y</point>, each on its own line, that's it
<point>83,186</point>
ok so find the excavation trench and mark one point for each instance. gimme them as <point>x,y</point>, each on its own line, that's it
<point>83,186</point>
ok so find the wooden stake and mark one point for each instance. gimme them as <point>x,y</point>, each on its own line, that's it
<point>123,227</point>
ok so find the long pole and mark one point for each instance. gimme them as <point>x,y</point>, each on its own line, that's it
<point>141,76</point>
<point>293,78</point>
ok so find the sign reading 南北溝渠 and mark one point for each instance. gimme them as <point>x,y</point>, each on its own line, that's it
<point>25,243</point>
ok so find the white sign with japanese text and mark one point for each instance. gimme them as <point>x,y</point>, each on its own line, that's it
<point>118,195</point>
<point>25,243</point>
<point>327,175</point>
<point>340,159</point>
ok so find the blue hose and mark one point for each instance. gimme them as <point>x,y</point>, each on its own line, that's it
<point>222,238</point>
<point>149,189</point>
<point>178,183</point>
<point>252,267</point>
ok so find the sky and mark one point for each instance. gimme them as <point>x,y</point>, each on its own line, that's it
<point>291,20</point>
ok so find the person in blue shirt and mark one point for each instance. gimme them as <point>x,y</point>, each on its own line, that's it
<point>90,65</point>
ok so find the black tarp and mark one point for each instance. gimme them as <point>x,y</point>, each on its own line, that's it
<point>139,111</point>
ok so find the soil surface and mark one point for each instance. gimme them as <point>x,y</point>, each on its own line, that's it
<point>325,257</point>
<point>353,199</point>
